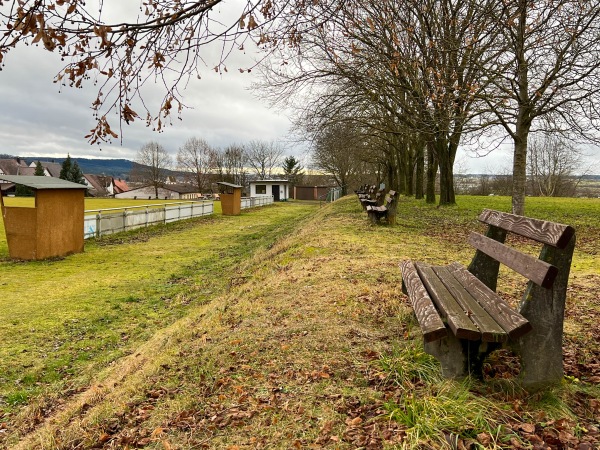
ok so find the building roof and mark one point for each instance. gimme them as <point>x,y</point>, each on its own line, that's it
<point>27,171</point>
<point>11,166</point>
<point>98,184</point>
<point>52,167</point>
<point>222,183</point>
<point>42,182</point>
<point>120,186</point>
<point>269,181</point>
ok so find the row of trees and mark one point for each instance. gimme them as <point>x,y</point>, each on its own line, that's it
<point>203,164</point>
<point>416,79</point>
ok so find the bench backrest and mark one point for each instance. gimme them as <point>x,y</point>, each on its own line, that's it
<point>389,199</point>
<point>491,249</point>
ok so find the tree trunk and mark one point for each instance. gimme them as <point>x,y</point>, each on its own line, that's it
<point>444,154</point>
<point>420,172</point>
<point>432,166</point>
<point>523,116</point>
<point>519,173</point>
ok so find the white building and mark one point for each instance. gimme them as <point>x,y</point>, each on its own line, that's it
<point>172,192</point>
<point>279,189</point>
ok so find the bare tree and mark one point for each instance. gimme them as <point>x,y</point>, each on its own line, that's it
<point>194,158</point>
<point>552,163</point>
<point>420,64</point>
<point>548,76</point>
<point>151,165</point>
<point>263,157</point>
<point>338,152</point>
<point>230,164</point>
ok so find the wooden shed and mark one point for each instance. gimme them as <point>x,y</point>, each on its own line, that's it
<point>53,227</point>
<point>231,198</point>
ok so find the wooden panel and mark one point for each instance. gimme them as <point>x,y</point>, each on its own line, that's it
<point>490,330</point>
<point>458,321</point>
<point>513,323</point>
<point>551,233</point>
<point>540,272</point>
<point>429,320</point>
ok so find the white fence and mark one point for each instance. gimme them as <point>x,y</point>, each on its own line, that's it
<point>98,223</point>
<point>251,202</point>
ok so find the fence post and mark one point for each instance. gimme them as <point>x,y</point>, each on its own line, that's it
<point>99,224</point>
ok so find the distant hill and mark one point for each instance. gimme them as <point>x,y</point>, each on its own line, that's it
<point>118,168</point>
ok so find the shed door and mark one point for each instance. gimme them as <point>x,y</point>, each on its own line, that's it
<point>275,192</point>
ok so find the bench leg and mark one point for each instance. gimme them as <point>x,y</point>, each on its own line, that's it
<point>460,358</point>
<point>449,352</point>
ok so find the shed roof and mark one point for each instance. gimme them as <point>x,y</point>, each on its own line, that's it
<point>271,180</point>
<point>222,183</point>
<point>35,182</point>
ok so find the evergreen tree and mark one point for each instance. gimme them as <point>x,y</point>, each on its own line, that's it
<point>293,170</point>
<point>70,171</point>
<point>39,170</point>
<point>76,174</point>
<point>65,171</point>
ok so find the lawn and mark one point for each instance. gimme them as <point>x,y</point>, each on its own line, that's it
<point>91,204</point>
<point>284,327</point>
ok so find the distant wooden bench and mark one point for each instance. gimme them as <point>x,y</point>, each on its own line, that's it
<point>376,213</point>
<point>377,200</point>
<point>367,192</point>
<point>463,319</point>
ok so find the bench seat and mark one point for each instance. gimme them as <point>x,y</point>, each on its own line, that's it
<point>463,304</point>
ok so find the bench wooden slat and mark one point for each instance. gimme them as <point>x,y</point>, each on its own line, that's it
<point>538,271</point>
<point>429,320</point>
<point>554,234</point>
<point>490,330</point>
<point>448,307</point>
<point>513,323</point>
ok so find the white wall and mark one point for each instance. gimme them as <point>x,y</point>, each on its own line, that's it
<point>284,189</point>
<point>148,191</point>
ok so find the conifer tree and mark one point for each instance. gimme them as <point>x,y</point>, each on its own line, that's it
<point>39,170</point>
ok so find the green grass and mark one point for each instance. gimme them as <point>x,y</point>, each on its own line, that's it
<point>65,319</point>
<point>284,327</point>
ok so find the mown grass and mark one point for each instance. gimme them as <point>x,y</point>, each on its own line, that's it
<point>297,337</point>
<point>64,319</point>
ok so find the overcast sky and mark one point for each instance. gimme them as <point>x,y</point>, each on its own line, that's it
<point>37,120</point>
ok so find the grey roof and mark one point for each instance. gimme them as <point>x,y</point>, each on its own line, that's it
<point>11,166</point>
<point>270,180</point>
<point>42,182</point>
<point>52,167</point>
<point>222,183</point>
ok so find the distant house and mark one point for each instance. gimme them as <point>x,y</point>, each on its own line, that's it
<point>279,189</point>
<point>119,186</point>
<point>29,171</point>
<point>169,192</point>
<point>98,185</point>
<point>12,166</point>
<point>51,169</point>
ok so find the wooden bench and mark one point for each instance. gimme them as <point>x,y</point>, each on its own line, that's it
<point>463,319</point>
<point>376,213</point>
<point>369,192</point>
<point>377,200</point>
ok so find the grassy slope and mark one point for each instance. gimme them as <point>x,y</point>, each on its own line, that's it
<point>305,341</point>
